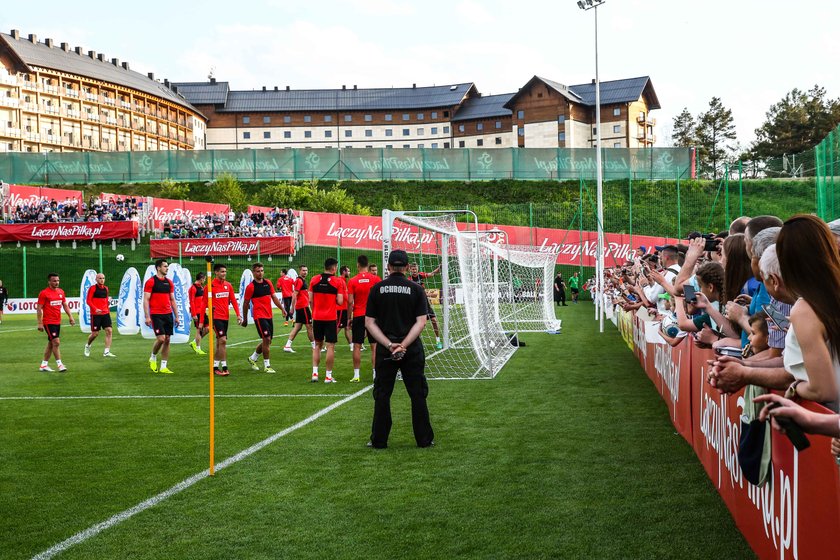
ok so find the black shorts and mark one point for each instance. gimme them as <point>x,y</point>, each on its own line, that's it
<point>575,290</point>
<point>342,318</point>
<point>100,322</point>
<point>53,331</point>
<point>265,327</point>
<point>163,324</point>
<point>359,331</point>
<point>325,331</point>
<point>200,319</point>
<point>303,316</point>
<point>220,326</point>
<point>287,304</point>
<point>430,311</point>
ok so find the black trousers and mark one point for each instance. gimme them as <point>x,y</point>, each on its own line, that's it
<point>412,367</point>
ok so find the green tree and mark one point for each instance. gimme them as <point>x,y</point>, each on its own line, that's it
<point>685,130</point>
<point>715,137</point>
<point>227,190</point>
<point>173,190</point>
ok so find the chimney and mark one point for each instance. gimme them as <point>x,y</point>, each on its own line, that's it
<point>413,86</point>
<point>65,47</point>
<point>174,88</point>
<point>263,88</point>
<point>287,88</point>
<point>101,57</point>
<point>166,82</point>
<point>151,75</point>
<point>593,81</point>
<point>48,42</point>
<point>212,80</point>
<point>33,38</point>
<point>115,61</point>
<point>344,88</point>
<point>276,88</point>
<point>15,34</point>
<point>92,54</point>
<point>78,50</point>
<point>125,65</point>
<point>354,87</point>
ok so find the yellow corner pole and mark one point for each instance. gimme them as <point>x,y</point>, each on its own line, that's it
<point>212,331</point>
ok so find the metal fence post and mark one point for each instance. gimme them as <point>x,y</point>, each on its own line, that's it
<point>679,210</point>
<point>24,271</point>
<point>101,267</point>
<point>741,187</point>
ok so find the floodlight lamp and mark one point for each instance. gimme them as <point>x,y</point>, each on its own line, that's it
<point>581,4</point>
<point>589,3</point>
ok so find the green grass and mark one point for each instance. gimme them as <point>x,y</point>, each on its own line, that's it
<point>568,453</point>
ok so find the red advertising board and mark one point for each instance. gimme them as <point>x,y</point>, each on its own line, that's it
<point>222,246</point>
<point>796,515</point>
<point>264,209</point>
<point>365,232</point>
<point>165,210</point>
<point>21,194</point>
<point>68,231</point>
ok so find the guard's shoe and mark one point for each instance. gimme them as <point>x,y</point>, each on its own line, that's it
<point>439,346</point>
<point>166,370</point>
<point>288,349</point>
<point>269,369</point>
<point>314,378</point>
<point>193,346</point>
<point>355,380</point>
<point>285,323</point>
<point>62,368</point>
<point>87,351</point>
<point>253,364</point>
<point>108,355</point>
<point>153,366</point>
<point>46,369</point>
<point>200,352</point>
<point>221,372</point>
<point>330,380</point>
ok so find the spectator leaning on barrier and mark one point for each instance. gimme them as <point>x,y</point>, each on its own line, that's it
<point>4,298</point>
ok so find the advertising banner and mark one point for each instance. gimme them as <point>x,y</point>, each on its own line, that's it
<point>25,306</point>
<point>80,231</point>
<point>222,246</point>
<point>24,195</point>
<point>166,210</point>
<point>365,232</point>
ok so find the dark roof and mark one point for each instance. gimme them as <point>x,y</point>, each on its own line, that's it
<point>619,91</point>
<point>55,58</point>
<point>330,99</point>
<point>484,107</point>
<point>204,93</point>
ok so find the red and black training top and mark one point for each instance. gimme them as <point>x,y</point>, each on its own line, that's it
<point>198,299</point>
<point>97,300</point>
<point>302,300</point>
<point>160,288</point>
<point>259,293</point>
<point>325,288</point>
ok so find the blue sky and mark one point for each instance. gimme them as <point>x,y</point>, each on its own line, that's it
<point>749,53</point>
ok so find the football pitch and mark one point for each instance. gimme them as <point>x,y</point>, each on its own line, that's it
<point>568,453</point>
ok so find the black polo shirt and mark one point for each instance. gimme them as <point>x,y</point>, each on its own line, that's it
<point>395,303</point>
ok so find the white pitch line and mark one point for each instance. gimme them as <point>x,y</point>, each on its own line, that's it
<point>94,530</point>
<point>92,397</point>
<point>3,331</point>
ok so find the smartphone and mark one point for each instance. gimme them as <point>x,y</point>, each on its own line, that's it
<point>689,293</point>
<point>792,430</point>
<point>778,318</point>
<point>729,351</point>
<point>631,297</point>
<point>711,245</point>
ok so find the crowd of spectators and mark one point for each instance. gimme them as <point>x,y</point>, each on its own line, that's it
<point>763,295</point>
<point>71,210</point>
<point>275,223</point>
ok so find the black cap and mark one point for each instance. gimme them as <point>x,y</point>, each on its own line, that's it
<point>398,258</point>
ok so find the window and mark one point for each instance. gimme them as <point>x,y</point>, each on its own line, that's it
<point>434,144</point>
<point>446,144</point>
<point>479,142</point>
<point>287,119</point>
<point>434,116</point>
<point>406,116</point>
<point>434,130</point>
<point>406,145</point>
<point>348,133</point>
<point>246,135</point>
<point>561,119</point>
<point>446,116</point>
<point>266,134</point>
<point>266,120</point>
<point>307,134</point>
<point>498,124</point>
<point>246,120</point>
<point>446,130</point>
<point>420,132</point>
<point>460,128</point>
<point>460,143</point>
<point>561,137</point>
<point>368,133</point>
<point>307,118</point>
<point>420,116</point>
<point>498,140</point>
<point>327,118</point>
<point>616,144</point>
<point>287,134</point>
<point>389,117</point>
<point>389,132</point>
<point>594,131</point>
<point>348,118</point>
<point>368,146</point>
<point>521,131</point>
<point>479,126</point>
<point>389,146</point>
<point>328,134</point>
<point>616,128</point>
<point>617,112</point>
<point>520,114</point>
<point>406,132</point>
<point>420,145</point>
<point>368,118</point>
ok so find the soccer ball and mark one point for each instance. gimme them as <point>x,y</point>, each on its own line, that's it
<point>120,257</point>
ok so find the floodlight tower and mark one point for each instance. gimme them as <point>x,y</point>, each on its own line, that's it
<point>599,266</point>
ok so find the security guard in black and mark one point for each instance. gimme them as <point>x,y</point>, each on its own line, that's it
<point>395,306</point>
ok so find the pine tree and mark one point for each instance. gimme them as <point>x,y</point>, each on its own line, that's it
<point>715,137</point>
<point>685,130</point>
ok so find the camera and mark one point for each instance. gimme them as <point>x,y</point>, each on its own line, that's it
<point>711,242</point>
